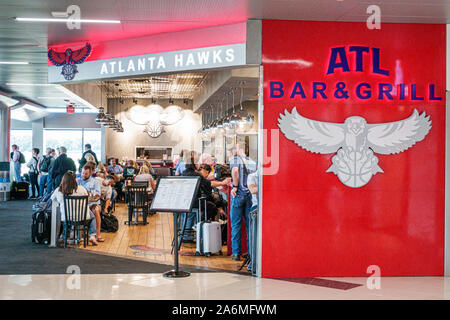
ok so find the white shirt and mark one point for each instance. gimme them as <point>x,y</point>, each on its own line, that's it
<point>145,177</point>
<point>105,191</point>
<point>253,179</point>
<point>58,199</point>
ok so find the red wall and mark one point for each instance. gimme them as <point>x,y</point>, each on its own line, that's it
<point>314,225</point>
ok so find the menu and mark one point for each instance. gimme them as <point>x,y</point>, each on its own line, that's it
<point>175,194</point>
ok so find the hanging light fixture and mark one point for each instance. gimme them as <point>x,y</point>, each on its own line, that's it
<point>100,119</point>
<point>201,130</point>
<point>229,124</point>
<point>214,123</point>
<point>208,125</point>
<point>246,120</point>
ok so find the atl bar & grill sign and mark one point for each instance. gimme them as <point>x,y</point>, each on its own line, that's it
<point>338,61</point>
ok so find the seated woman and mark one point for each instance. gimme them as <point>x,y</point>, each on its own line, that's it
<point>130,170</point>
<point>144,175</point>
<point>69,187</point>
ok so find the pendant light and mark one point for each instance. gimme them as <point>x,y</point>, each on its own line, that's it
<point>100,119</point>
<point>226,119</point>
<point>200,131</point>
<point>246,120</point>
<point>231,124</point>
<point>219,125</point>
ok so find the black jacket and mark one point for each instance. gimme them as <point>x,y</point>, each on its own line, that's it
<point>204,190</point>
<point>59,167</point>
<point>83,159</point>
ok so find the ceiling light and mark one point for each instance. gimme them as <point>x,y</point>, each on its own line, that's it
<point>65,20</point>
<point>14,62</point>
<point>30,84</point>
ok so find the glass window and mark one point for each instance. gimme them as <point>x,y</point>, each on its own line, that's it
<point>71,139</point>
<point>23,139</point>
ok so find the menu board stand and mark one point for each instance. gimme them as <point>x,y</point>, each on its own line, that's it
<point>175,195</point>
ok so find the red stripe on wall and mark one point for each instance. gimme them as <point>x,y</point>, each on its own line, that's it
<point>165,42</point>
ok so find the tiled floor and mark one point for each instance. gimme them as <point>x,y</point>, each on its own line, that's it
<point>211,286</point>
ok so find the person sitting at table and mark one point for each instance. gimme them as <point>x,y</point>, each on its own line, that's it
<point>205,191</point>
<point>93,188</point>
<point>92,165</point>
<point>114,167</point>
<point>144,175</point>
<point>130,170</point>
<point>106,193</point>
<point>69,187</point>
<point>101,171</point>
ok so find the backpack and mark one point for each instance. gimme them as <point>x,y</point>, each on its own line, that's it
<point>45,164</point>
<point>109,223</point>
<point>22,158</point>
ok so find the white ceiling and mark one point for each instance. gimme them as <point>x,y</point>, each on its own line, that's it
<point>25,41</point>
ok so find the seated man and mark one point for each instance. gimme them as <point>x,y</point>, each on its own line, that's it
<point>93,188</point>
<point>205,190</point>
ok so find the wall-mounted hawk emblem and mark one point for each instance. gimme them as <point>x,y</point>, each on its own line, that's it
<point>69,59</point>
<point>355,141</point>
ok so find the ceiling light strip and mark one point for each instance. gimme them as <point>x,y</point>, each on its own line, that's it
<point>66,20</point>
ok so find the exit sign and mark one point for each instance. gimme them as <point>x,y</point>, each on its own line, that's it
<point>70,108</point>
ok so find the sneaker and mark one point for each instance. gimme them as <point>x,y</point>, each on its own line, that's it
<point>235,257</point>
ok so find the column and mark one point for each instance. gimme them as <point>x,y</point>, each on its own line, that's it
<point>5,122</point>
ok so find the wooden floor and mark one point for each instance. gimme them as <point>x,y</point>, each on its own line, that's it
<point>152,242</point>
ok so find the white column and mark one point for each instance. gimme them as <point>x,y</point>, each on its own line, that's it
<point>38,135</point>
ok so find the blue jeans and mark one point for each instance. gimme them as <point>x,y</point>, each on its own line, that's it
<point>42,182</point>
<point>240,207</point>
<point>190,221</point>
<point>17,171</point>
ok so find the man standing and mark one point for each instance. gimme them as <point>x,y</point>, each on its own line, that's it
<point>241,199</point>
<point>87,149</point>
<point>17,158</point>
<point>34,172</point>
<point>44,166</point>
<point>60,166</point>
<point>93,188</point>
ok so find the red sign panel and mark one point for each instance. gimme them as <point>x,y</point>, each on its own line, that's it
<point>361,115</point>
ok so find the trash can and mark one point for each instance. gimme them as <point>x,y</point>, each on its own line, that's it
<point>5,182</point>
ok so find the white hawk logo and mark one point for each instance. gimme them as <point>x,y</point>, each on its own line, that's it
<point>355,141</point>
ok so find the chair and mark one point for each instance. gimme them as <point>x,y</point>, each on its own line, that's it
<point>137,201</point>
<point>75,209</point>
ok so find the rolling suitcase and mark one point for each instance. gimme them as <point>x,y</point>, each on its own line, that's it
<point>209,234</point>
<point>41,225</point>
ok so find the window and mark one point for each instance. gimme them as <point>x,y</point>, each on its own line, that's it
<point>23,139</point>
<point>74,140</point>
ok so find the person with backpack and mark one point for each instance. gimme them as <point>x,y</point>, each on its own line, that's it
<point>43,167</point>
<point>33,173</point>
<point>18,159</point>
<point>85,159</point>
<point>60,166</point>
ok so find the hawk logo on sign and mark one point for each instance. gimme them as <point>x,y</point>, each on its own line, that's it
<point>355,141</point>
<point>68,59</point>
